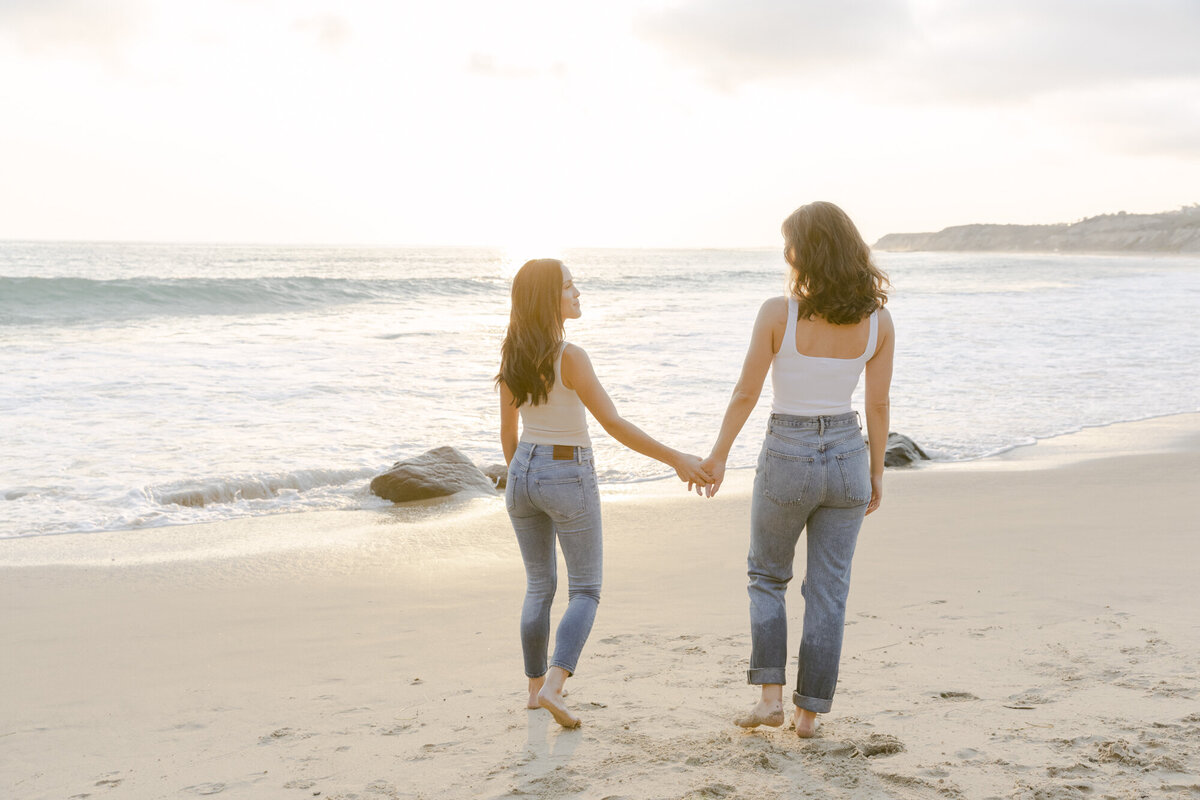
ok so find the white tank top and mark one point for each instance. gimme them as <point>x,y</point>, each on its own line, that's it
<point>560,418</point>
<point>812,386</point>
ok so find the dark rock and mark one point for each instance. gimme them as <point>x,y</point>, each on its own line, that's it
<point>902,451</point>
<point>435,473</point>
<point>498,473</point>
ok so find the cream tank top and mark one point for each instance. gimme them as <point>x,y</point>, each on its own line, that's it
<point>560,419</point>
<point>811,386</point>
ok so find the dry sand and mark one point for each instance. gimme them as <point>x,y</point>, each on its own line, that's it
<point>1020,627</point>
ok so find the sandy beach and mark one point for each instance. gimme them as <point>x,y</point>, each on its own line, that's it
<point>1023,626</point>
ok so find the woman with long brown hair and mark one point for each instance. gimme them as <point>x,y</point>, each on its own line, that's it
<point>815,471</point>
<point>552,494</point>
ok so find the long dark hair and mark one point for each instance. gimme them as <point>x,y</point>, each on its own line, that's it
<point>535,331</point>
<point>833,276</point>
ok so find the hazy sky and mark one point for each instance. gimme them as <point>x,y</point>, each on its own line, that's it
<point>545,124</point>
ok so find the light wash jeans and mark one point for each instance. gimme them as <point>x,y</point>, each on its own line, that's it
<point>549,499</point>
<point>814,473</point>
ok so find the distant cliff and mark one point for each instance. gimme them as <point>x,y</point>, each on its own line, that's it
<point>1168,232</point>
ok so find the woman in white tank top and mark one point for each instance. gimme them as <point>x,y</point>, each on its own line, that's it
<point>815,472</point>
<point>551,495</point>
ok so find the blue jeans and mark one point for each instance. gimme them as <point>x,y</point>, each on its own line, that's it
<point>814,473</point>
<point>549,499</point>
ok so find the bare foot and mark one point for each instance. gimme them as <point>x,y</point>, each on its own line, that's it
<point>765,713</point>
<point>806,723</point>
<point>553,702</point>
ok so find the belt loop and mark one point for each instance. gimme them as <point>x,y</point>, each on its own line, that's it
<point>578,455</point>
<point>820,426</point>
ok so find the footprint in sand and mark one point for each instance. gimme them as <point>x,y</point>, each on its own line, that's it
<point>282,734</point>
<point>912,782</point>
<point>957,696</point>
<point>382,787</point>
<point>979,633</point>
<point>1120,752</point>
<point>1029,698</point>
<point>1065,791</point>
<point>205,788</point>
<point>876,744</point>
<point>879,744</point>
<point>1168,764</point>
<point>299,784</point>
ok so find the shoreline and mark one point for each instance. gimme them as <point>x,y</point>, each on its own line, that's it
<point>1020,629</point>
<point>449,507</point>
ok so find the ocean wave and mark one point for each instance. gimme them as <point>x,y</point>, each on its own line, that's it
<point>64,301</point>
<point>218,491</point>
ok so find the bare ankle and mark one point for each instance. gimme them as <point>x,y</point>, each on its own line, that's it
<point>805,722</point>
<point>535,686</point>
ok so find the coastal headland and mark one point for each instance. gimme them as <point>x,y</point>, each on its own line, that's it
<point>1168,232</point>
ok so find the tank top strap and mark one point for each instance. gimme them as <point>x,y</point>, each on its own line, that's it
<point>872,337</point>
<point>562,348</point>
<point>788,346</point>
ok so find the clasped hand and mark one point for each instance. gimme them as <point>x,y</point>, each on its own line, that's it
<point>703,476</point>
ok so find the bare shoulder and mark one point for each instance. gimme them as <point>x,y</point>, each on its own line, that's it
<point>886,340</point>
<point>575,365</point>
<point>774,311</point>
<point>885,321</point>
<point>574,354</point>
<point>774,305</point>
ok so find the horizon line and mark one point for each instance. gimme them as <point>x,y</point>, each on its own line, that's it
<point>363,245</point>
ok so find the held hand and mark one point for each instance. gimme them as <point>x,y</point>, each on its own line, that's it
<point>715,467</point>
<point>687,467</point>
<point>876,493</point>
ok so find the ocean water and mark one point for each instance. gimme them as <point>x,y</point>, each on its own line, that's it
<point>147,385</point>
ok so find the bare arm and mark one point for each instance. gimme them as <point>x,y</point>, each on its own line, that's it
<point>578,374</point>
<point>764,342</point>
<point>879,384</point>
<point>509,417</point>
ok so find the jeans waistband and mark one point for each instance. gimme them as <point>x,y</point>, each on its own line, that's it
<point>528,451</point>
<point>821,424</point>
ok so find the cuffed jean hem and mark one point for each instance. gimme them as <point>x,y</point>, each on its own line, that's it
<point>569,670</point>
<point>539,675</point>
<point>764,675</point>
<point>813,704</point>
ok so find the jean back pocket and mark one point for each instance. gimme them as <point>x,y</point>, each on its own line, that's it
<point>855,470</point>
<point>786,476</point>
<point>561,498</point>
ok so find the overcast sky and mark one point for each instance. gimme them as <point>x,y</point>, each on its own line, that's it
<point>539,125</point>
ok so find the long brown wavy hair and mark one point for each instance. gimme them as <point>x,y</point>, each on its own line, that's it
<point>832,276</point>
<point>535,331</point>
